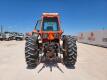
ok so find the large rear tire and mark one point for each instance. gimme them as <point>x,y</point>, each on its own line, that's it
<point>31,52</point>
<point>70,54</point>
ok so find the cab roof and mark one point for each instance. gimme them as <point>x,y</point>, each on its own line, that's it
<point>50,14</point>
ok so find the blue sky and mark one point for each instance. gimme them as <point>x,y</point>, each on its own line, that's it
<point>76,15</point>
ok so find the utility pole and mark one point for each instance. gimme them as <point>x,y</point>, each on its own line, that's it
<point>1,29</point>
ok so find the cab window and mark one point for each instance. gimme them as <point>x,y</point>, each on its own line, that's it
<point>50,24</point>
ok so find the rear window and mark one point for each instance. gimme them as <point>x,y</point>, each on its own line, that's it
<point>50,24</point>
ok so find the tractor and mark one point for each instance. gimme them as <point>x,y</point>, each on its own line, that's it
<point>47,43</point>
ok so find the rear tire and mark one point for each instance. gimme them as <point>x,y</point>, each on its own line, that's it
<point>70,55</point>
<point>31,52</point>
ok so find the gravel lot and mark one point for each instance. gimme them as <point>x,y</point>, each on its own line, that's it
<point>91,64</point>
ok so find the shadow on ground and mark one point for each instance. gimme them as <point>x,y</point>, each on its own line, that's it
<point>52,64</point>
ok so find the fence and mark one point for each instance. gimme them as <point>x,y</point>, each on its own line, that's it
<point>98,38</point>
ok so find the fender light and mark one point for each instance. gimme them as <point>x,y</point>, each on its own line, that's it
<point>35,31</point>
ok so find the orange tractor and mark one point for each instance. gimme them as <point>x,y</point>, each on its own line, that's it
<point>47,43</point>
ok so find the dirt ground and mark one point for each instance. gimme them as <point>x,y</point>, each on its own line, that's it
<point>91,64</point>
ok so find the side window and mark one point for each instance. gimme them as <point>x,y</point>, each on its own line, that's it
<point>38,24</point>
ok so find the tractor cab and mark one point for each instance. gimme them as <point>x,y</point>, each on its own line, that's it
<point>50,22</point>
<point>49,27</point>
